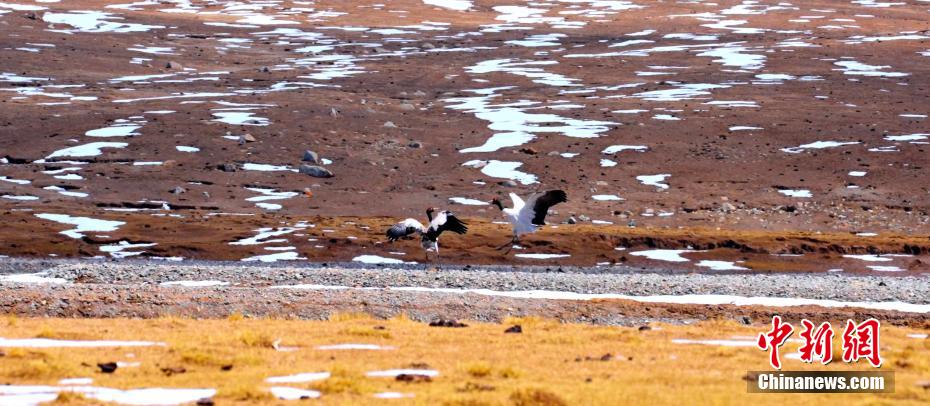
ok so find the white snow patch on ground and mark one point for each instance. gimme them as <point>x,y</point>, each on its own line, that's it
<point>298,378</point>
<point>663,255</point>
<point>83,224</point>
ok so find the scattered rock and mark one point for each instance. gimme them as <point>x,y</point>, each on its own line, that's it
<point>205,402</point>
<point>310,156</point>
<point>407,107</point>
<point>247,138</point>
<point>419,93</point>
<point>529,151</point>
<point>447,323</point>
<point>727,207</point>
<point>333,112</point>
<point>475,387</point>
<point>315,171</point>
<point>644,328</point>
<point>173,65</point>
<point>507,183</point>
<point>515,329</point>
<point>571,220</point>
<point>415,144</point>
<point>178,190</point>
<point>413,378</point>
<point>168,371</point>
<point>390,124</point>
<point>228,167</point>
<point>427,45</point>
<point>226,367</point>
<point>745,320</point>
<point>107,367</point>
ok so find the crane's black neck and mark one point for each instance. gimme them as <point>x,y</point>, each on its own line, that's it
<point>498,204</point>
<point>429,214</point>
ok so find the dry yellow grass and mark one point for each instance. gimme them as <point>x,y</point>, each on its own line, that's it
<point>549,364</point>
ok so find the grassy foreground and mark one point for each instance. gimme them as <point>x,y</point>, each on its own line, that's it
<point>550,363</point>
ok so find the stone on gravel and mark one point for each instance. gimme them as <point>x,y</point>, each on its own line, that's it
<point>515,329</point>
<point>315,171</point>
<point>178,190</point>
<point>507,183</point>
<point>310,156</point>
<point>390,124</point>
<point>447,323</point>
<point>413,378</point>
<point>107,367</point>
<point>228,167</point>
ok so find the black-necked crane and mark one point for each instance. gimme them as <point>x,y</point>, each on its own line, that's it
<point>429,235</point>
<point>526,217</point>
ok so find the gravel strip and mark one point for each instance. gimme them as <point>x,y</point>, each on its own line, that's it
<point>811,286</point>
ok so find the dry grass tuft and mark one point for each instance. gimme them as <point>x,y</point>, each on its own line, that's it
<point>245,392</point>
<point>41,369</point>
<point>73,398</point>
<point>344,381</point>
<point>479,370</point>
<point>339,317</point>
<point>255,339</point>
<point>367,332</point>
<point>535,397</point>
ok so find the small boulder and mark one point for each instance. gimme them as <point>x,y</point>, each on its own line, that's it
<point>515,329</point>
<point>407,107</point>
<point>507,183</point>
<point>312,157</point>
<point>173,65</point>
<point>107,367</point>
<point>247,138</point>
<point>390,124</point>
<point>315,171</point>
<point>447,323</point>
<point>415,144</point>
<point>228,167</point>
<point>178,190</point>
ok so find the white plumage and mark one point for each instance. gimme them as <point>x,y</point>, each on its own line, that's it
<point>526,217</point>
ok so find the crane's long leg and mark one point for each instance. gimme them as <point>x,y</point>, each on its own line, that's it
<point>510,244</point>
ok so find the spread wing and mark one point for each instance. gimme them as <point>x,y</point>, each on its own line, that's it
<point>445,221</point>
<point>517,202</point>
<point>538,204</point>
<point>403,229</point>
